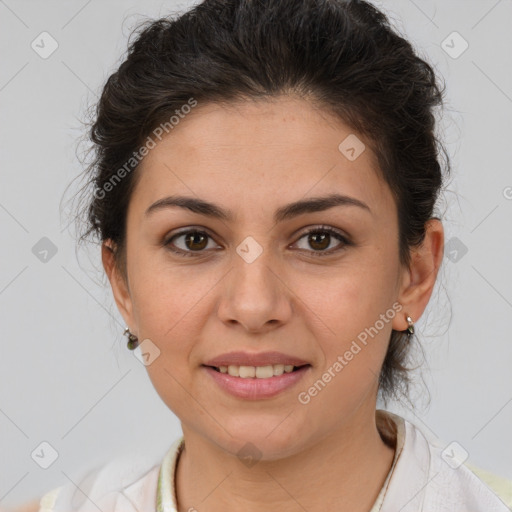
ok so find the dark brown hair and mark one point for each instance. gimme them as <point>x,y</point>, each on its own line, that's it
<point>343,56</point>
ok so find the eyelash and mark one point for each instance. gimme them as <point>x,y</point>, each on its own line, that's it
<point>315,230</point>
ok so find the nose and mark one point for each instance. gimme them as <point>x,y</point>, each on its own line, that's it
<point>254,294</point>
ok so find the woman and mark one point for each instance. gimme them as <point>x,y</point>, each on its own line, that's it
<point>264,188</point>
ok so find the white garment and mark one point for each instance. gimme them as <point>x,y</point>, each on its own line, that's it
<point>420,480</point>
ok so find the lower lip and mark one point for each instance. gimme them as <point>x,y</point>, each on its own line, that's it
<point>253,388</point>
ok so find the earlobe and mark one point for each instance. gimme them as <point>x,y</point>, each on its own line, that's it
<point>421,274</point>
<point>118,283</point>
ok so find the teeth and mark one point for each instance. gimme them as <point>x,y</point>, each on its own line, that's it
<point>260,372</point>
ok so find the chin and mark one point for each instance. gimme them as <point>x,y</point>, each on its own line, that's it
<point>268,440</point>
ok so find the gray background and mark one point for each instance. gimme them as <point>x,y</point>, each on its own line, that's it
<point>66,376</point>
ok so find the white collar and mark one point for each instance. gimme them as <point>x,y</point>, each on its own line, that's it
<point>421,480</point>
<point>429,478</point>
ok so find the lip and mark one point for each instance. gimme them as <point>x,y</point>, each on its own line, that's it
<point>253,388</point>
<point>242,358</point>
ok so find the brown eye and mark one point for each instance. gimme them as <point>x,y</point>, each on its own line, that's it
<point>192,241</point>
<point>196,241</point>
<point>320,238</point>
<point>319,241</point>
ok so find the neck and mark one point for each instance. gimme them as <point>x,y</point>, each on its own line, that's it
<point>347,469</point>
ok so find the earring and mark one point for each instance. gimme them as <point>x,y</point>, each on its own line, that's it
<point>133,341</point>
<point>410,327</point>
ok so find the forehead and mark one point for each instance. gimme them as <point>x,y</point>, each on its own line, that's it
<point>262,152</point>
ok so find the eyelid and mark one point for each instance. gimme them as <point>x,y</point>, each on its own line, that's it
<point>312,228</point>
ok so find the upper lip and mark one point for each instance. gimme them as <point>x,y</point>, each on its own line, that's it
<point>241,358</point>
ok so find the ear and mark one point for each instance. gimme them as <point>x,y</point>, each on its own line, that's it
<point>118,283</point>
<point>419,279</point>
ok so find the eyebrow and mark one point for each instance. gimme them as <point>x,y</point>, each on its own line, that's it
<point>289,211</point>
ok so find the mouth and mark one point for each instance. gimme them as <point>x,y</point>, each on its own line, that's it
<point>257,372</point>
<point>256,382</point>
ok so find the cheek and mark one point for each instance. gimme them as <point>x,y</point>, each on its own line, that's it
<point>167,315</point>
<point>171,307</point>
<point>352,325</point>
<point>352,294</point>
<point>161,292</point>
<point>173,320</point>
<point>350,311</point>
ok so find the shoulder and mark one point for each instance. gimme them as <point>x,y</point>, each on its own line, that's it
<point>127,483</point>
<point>431,474</point>
<point>501,486</point>
<point>454,479</point>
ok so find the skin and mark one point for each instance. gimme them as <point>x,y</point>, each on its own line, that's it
<point>253,158</point>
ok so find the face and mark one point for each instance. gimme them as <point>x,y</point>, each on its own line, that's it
<point>200,286</point>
